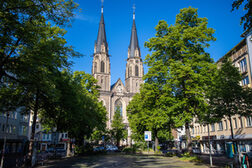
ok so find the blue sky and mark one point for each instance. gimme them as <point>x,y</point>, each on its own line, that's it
<point>118,21</point>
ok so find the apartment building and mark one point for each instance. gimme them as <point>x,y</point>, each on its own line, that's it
<point>48,139</point>
<point>220,133</point>
<point>15,130</point>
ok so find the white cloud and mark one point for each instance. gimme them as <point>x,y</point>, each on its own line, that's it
<point>87,18</point>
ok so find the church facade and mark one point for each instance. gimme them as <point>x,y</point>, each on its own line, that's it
<point>117,95</point>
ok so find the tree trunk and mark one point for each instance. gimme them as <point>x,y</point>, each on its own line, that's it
<point>118,142</point>
<point>231,127</point>
<point>35,113</point>
<point>156,144</point>
<point>5,138</point>
<point>188,138</point>
<point>156,141</point>
<point>232,133</point>
<point>68,148</point>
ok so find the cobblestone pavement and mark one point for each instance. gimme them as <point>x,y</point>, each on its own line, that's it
<point>122,161</point>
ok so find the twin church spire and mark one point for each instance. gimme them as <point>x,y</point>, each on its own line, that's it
<point>101,44</point>
<point>101,61</point>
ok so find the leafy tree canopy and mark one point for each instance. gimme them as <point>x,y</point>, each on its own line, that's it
<point>246,19</point>
<point>179,71</point>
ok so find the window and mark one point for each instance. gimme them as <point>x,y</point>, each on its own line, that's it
<point>25,118</point>
<point>37,126</point>
<point>14,129</point>
<point>235,123</point>
<point>95,67</point>
<point>136,70</point>
<point>15,115</point>
<point>130,71</point>
<point>226,124</point>
<point>241,122</point>
<point>3,128</point>
<point>245,81</point>
<point>220,126</point>
<point>10,129</point>
<point>212,127</point>
<point>249,121</point>
<point>243,65</point>
<point>7,129</point>
<point>118,106</point>
<point>102,66</point>
<point>24,130</point>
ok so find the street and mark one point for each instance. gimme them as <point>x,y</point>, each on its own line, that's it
<point>122,161</point>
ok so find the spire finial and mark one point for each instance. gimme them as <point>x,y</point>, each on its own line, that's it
<point>102,6</point>
<point>134,8</point>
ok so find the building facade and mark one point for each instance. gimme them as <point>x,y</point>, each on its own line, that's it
<point>117,95</point>
<point>15,130</point>
<point>46,140</point>
<point>220,133</point>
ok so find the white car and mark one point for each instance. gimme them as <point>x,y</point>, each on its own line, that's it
<point>111,148</point>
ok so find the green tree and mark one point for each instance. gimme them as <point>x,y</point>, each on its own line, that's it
<point>228,97</point>
<point>148,111</point>
<point>77,109</point>
<point>246,20</point>
<point>22,25</point>
<point>180,48</point>
<point>118,131</point>
<point>32,50</point>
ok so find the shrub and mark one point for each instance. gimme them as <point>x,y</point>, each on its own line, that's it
<point>129,150</point>
<point>170,154</point>
<point>186,154</point>
<point>84,149</point>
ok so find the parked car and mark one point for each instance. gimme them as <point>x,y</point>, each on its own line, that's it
<point>111,148</point>
<point>98,148</point>
<point>60,152</point>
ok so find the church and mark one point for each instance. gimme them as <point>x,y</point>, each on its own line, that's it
<point>117,95</point>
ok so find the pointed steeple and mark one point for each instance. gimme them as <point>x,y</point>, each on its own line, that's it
<point>101,38</point>
<point>133,46</point>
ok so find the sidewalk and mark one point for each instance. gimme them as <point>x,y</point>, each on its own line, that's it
<point>217,160</point>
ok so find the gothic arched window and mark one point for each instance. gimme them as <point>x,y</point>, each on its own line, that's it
<point>102,66</point>
<point>130,71</point>
<point>118,106</point>
<point>136,70</point>
<point>95,67</point>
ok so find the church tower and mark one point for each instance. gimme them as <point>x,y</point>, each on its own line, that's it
<point>101,61</point>
<point>134,66</point>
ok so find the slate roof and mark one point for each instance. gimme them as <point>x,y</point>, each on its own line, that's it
<point>133,40</point>
<point>101,38</point>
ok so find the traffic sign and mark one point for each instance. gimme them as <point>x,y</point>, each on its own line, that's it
<point>147,135</point>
